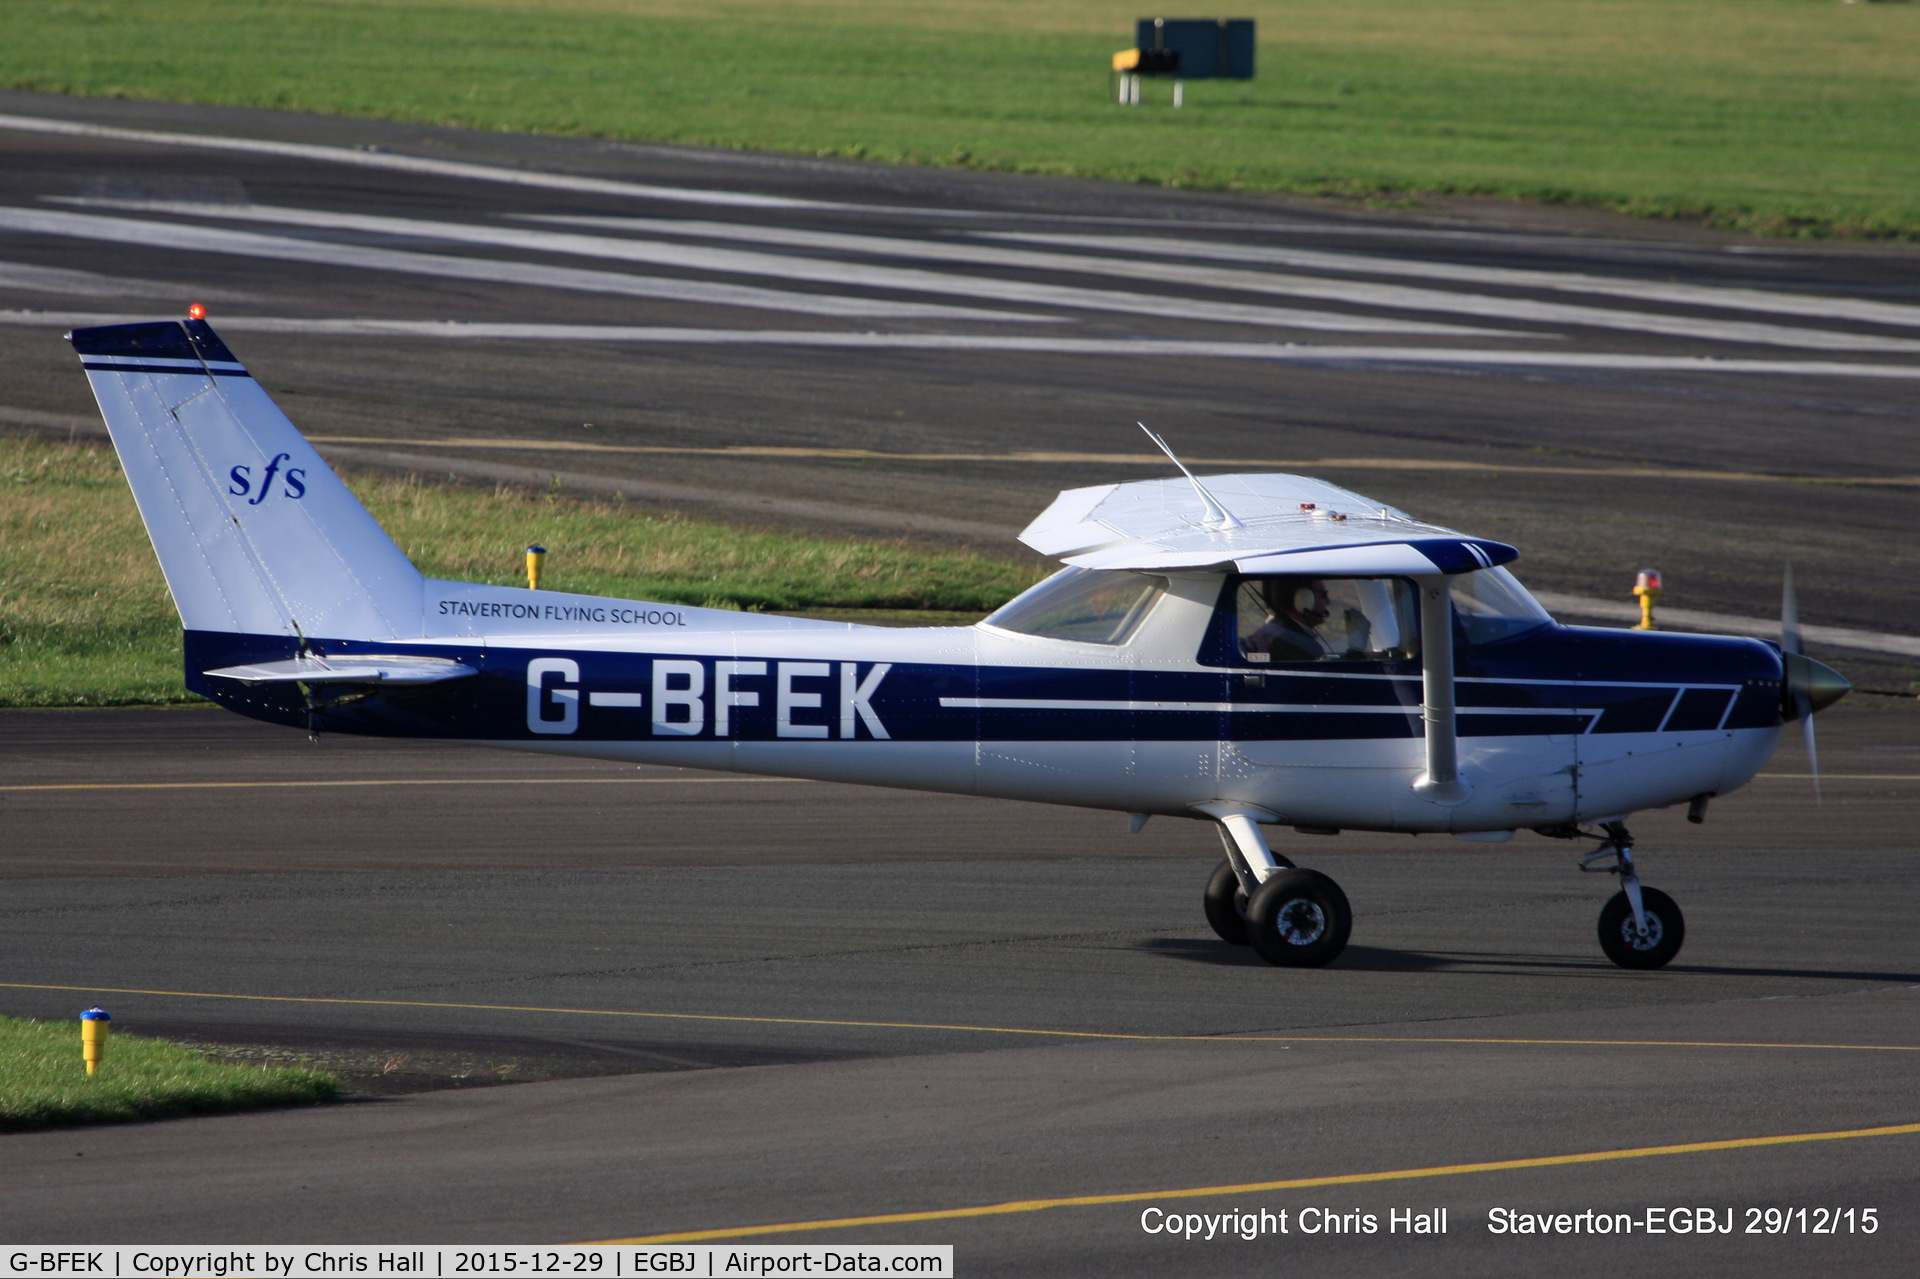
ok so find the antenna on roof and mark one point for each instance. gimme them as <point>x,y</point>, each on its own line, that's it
<point>1218,516</point>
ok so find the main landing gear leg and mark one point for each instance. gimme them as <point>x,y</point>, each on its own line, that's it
<point>1294,918</point>
<point>1237,879</point>
<point>1639,927</point>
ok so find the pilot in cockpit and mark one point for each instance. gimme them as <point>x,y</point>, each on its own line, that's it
<point>1297,608</point>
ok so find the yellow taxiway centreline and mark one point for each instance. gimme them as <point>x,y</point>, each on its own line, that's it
<point>1265,1187</point>
<point>1032,1031</point>
<point>406,781</point>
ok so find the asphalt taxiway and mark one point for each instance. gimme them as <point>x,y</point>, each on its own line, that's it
<point>749,1003</point>
<point>808,1003</point>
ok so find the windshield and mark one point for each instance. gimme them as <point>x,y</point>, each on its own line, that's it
<point>1093,606</point>
<point>1492,606</point>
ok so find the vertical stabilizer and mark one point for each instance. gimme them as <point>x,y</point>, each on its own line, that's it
<point>256,535</point>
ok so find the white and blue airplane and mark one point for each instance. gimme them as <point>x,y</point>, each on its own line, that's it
<point>1249,650</point>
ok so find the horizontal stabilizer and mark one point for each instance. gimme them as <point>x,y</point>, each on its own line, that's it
<point>365,668</point>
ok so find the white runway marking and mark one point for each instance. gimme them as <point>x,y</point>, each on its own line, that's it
<point>91,284</point>
<point>811,270</point>
<point>1128,265</point>
<point>192,239</point>
<point>414,164</point>
<point>369,158</point>
<point>1130,348</point>
<point>1813,307</point>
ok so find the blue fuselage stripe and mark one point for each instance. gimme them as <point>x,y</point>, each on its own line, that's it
<point>596,695</point>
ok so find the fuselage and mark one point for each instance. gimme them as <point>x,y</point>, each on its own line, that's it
<point>1556,724</point>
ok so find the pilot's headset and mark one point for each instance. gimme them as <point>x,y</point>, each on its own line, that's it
<point>1278,592</point>
<point>1291,594</point>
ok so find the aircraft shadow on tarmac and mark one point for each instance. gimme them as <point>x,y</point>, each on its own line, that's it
<point>1893,979</point>
<point>1367,958</point>
<point>1382,959</point>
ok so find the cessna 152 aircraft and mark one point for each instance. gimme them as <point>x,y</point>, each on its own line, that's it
<point>1252,650</point>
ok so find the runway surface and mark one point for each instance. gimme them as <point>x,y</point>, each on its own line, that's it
<point>933,354</point>
<point>739,1003</point>
<point>810,1003</point>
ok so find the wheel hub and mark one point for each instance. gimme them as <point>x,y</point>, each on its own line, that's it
<point>1301,922</point>
<point>1642,941</point>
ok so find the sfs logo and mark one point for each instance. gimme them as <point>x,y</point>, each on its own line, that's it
<point>293,482</point>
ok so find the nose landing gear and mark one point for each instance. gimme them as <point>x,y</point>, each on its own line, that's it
<point>1639,927</point>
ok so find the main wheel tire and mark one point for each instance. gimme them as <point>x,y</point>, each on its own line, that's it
<point>1227,905</point>
<point>1299,919</point>
<point>1666,929</point>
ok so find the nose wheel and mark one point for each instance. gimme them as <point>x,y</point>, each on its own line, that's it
<point>1627,944</point>
<point>1640,927</point>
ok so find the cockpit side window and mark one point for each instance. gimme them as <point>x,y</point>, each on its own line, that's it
<point>1323,619</point>
<point>1092,606</point>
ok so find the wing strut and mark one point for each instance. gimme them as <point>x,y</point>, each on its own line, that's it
<point>1441,783</point>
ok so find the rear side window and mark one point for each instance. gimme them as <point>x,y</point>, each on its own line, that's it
<point>1092,606</point>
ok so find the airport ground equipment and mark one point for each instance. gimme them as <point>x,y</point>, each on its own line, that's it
<point>1257,651</point>
<point>1184,49</point>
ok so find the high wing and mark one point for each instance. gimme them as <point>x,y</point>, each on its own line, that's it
<point>1282,524</point>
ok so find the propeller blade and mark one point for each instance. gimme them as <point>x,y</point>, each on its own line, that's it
<point>1789,614</point>
<point>1813,756</point>
<point>1798,677</point>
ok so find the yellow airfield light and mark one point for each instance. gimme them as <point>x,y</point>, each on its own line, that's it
<point>1647,587</point>
<point>93,1036</point>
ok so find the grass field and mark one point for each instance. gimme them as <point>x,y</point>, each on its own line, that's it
<point>43,1083</point>
<point>85,619</point>
<point>1780,116</point>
